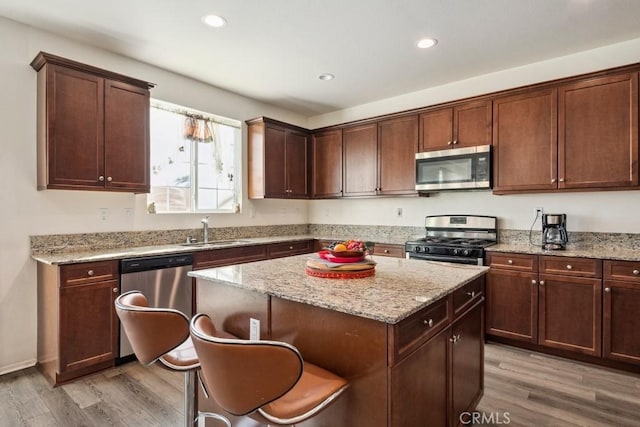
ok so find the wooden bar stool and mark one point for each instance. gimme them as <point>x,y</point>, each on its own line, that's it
<point>266,380</point>
<point>162,335</point>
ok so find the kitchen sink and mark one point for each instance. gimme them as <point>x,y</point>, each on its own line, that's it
<point>214,243</point>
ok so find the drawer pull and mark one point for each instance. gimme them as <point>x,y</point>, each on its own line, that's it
<point>386,251</point>
<point>115,290</point>
<point>541,282</point>
<point>454,339</point>
<point>533,282</point>
<point>569,267</point>
<point>472,294</point>
<point>636,272</point>
<point>607,290</point>
<point>291,247</point>
<point>510,262</point>
<point>90,273</point>
<point>429,322</point>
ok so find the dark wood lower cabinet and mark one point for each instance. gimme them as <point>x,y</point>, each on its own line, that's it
<point>621,321</point>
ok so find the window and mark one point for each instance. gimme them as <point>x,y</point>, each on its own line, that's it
<point>195,161</point>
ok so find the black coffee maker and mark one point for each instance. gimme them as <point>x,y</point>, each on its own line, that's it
<point>554,231</point>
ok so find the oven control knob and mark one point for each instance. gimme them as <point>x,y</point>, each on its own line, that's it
<point>456,251</point>
<point>465,252</point>
<point>418,249</point>
<point>425,249</point>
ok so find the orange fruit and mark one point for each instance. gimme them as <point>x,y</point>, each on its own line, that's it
<point>339,247</point>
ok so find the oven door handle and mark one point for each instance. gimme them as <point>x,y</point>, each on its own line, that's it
<point>444,258</point>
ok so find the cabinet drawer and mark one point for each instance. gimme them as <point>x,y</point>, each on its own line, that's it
<point>228,256</point>
<point>467,296</point>
<point>278,250</point>
<point>410,333</point>
<point>88,272</point>
<point>566,266</point>
<point>389,250</point>
<point>622,270</point>
<point>520,262</point>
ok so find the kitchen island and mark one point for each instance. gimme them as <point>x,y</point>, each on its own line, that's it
<point>409,339</point>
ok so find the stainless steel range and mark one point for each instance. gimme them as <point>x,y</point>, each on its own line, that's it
<point>455,238</point>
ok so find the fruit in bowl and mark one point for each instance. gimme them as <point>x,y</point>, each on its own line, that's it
<point>348,248</point>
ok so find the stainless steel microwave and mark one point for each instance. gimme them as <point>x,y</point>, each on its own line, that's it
<point>466,168</point>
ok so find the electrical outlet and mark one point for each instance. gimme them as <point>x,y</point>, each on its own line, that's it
<point>254,329</point>
<point>539,211</point>
<point>103,213</point>
<point>399,212</point>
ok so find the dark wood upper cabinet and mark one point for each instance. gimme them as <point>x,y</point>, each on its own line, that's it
<point>360,161</point>
<point>598,132</point>
<point>464,125</point>
<point>278,160</point>
<point>93,128</point>
<point>525,141</point>
<point>327,164</point>
<point>397,146</point>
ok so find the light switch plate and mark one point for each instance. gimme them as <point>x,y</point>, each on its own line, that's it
<point>254,329</point>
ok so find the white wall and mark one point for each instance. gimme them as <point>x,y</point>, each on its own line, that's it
<point>26,211</point>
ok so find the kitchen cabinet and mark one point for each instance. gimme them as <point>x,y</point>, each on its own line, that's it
<point>464,125</point>
<point>547,300</point>
<point>93,128</point>
<point>229,256</point>
<point>327,164</point>
<point>383,249</point>
<point>77,323</point>
<point>278,160</point>
<point>621,305</point>
<point>397,148</point>
<point>580,135</point>
<point>360,160</point>
<point>297,247</point>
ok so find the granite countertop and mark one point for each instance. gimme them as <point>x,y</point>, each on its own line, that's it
<point>141,251</point>
<point>578,251</point>
<point>388,296</point>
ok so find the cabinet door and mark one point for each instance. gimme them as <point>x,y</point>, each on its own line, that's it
<point>126,137</point>
<point>88,325</point>
<point>398,144</point>
<point>570,313</point>
<point>525,142</point>
<point>472,124</point>
<point>275,179</point>
<point>621,322</point>
<point>327,164</point>
<point>436,130</point>
<point>598,133</point>
<point>360,160</point>
<point>75,129</point>
<point>467,362</point>
<point>418,385</point>
<point>296,165</point>
<point>512,305</point>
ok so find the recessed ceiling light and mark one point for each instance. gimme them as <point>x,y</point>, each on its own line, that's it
<point>326,76</point>
<point>427,43</point>
<point>214,21</point>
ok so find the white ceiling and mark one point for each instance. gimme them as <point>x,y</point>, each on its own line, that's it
<point>274,50</point>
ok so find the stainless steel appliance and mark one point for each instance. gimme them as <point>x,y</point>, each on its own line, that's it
<point>162,279</point>
<point>455,238</point>
<point>466,168</point>
<point>554,231</point>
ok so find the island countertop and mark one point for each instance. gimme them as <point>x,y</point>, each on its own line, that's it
<point>399,288</point>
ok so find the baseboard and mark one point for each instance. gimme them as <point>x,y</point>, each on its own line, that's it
<point>17,366</point>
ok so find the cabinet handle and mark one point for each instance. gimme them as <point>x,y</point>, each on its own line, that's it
<point>561,180</point>
<point>90,273</point>
<point>386,251</point>
<point>553,180</point>
<point>569,267</point>
<point>115,290</point>
<point>449,142</point>
<point>533,281</point>
<point>510,261</point>
<point>455,142</point>
<point>636,272</point>
<point>109,179</point>
<point>453,339</point>
<point>429,322</point>
<point>290,247</point>
<point>101,178</point>
<point>541,282</point>
<point>472,294</point>
<point>607,290</point>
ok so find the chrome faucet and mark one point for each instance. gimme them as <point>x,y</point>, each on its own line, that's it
<point>205,229</point>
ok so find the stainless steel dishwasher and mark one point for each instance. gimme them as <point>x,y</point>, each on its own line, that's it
<point>162,279</point>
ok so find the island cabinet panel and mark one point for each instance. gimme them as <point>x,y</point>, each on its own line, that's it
<point>77,323</point>
<point>598,133</point>
<point>360,160</point>
<point>464,125</point>
<point>93,128</point>
<point>228,256</point>
<point>621,305</point>
<point>525,141</point>
<point>397,147</point>
<point>327,164</point>
<point>298,247</point>
<point>278,160</point>
<point>382,249</point>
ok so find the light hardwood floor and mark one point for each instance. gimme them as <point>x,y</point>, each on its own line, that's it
<point>534,389</point>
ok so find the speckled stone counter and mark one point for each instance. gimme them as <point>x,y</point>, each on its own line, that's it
<point>580,251</point>
<point>389,296</point>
